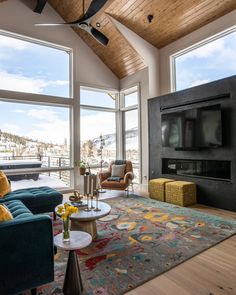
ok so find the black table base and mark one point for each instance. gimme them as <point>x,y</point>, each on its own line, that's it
<point>73,282</point>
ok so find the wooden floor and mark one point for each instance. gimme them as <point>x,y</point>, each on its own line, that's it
<point>212,272</point>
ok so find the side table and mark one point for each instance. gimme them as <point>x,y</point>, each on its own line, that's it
<point>78,240</point>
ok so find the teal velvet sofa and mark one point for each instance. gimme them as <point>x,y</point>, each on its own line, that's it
<point>38,200</point>
<point>26,250</point>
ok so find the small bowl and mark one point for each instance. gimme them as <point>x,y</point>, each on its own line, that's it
<point>75,198</point>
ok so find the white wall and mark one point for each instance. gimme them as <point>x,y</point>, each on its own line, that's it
<point>141,77</point>
<point>203,33</point>
<point>17,17</point>
<point>148,52</point>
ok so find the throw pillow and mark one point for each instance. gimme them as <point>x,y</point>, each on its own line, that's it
<point>118,170</point>
<point>5,214</point>
<point>5,186</point>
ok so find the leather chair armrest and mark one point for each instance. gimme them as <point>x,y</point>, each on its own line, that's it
<point>104,175</point>
<point>129,176</point>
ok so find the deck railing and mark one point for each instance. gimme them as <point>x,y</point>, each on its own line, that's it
<point>46,162</point>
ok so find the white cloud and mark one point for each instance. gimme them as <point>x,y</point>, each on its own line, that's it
<point>97,123</point>
<point>58,83</point>
<point>10,128</point>
<point>48,126</point>
<point>16,82</point>
<point>20,83</point>
<point>13,43</point>
<point>199,82</point>
<point>44,114</point>
<point>18,111</point>
<point>205,51</point>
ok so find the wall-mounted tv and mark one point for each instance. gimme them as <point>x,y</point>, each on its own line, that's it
<point>192,129</point>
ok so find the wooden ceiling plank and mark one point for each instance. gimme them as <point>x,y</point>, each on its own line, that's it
<point>190,24</point>
<point>172,20</point>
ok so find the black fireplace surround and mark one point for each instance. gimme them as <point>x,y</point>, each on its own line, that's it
<point>213,169</point>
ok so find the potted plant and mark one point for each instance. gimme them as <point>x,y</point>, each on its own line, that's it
<point>82,167</point>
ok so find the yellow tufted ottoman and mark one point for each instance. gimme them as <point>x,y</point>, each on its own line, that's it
<point>181,193</point>
<point>156,188</point>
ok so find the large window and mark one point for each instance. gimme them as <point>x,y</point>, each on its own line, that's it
<point>98,118</point>
<point>32,67</point>
<point>211,60</point>
<point>34,137</point>
<point>116,121</point>
<point>130,119</point>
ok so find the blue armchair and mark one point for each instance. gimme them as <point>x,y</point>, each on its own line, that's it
<point>26,250</point>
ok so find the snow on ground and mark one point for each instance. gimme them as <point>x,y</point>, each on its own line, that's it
<point>43,180</point>
<point>19,162</point>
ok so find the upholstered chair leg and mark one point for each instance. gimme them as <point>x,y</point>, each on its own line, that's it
<point>127,192</point>
<point>34,291</point>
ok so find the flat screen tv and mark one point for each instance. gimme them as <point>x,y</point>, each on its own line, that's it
<point>192,129</point>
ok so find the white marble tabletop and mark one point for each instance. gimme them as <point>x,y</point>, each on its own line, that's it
<point>82,215</point>
<point>78,240</point>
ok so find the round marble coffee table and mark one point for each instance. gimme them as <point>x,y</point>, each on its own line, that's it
<point>78,240</point>
<point>86,220</point>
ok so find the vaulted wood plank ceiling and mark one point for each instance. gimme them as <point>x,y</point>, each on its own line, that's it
<point>171,21</point>
<point>118,55</point>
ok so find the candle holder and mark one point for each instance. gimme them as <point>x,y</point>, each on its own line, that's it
<point>92,207</point>
<point>102,144</point>
<point>97,196</point>
<point>87,209</point>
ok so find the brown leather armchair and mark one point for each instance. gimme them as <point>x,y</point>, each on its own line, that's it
<point>123,184</point>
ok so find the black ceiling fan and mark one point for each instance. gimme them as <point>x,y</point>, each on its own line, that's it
<point>84,22</point>
<point>40,6</point>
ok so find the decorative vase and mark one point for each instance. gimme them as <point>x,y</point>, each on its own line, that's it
<point>66,229</point>
<point>82,170</point>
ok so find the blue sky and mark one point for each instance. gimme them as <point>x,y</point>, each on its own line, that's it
<point>34,68</point>
<point>207,63</point>
<point>45,123</point>
<point>29,67</point>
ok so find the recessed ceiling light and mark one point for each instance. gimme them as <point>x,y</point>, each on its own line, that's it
<point>150,18</point>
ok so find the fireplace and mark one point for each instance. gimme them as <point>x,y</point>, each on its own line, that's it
<point>211,169</point>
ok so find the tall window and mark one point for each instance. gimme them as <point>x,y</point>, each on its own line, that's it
<point>130,118</point>
<point>98,118</point>
<point>35,138</point>
<point>31,67</point>
<point>208,61</point>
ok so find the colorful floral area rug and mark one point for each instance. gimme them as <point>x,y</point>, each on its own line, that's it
<point>138,241</point>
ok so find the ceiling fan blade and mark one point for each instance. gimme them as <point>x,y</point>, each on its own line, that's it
<point>99,36</point>
<point>52,25</point>
<point>94,7</point>
<point>40,6</point>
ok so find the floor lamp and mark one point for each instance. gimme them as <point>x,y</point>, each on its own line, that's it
<point>102,143</point>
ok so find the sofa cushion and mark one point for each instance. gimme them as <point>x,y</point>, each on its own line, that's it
<point>5,214</point>
<point>41,195</point>
<point>5,186</point>
<point>118,170</point>
<point>114,185</point>
<point>18,209</point>
<point>37,200</point>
